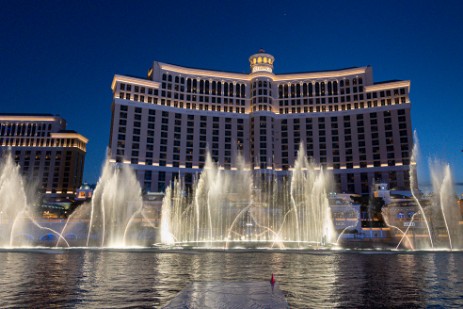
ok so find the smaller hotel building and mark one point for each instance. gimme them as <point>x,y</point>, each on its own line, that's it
<point>50,156</point>
<point>360,130</point>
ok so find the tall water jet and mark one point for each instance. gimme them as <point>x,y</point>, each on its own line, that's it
<point>166,235</point>
<point>445,212</point>
<point>13,204</point>
<point>309,199</point>
<point>220,198</point>
<point>117,207</point>
<point>414,186</point>
<point>239,208</point>
<point>18,226</point>
<point>434,220</point>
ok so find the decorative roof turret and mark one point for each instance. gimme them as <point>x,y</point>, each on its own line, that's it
<point>261,62</point>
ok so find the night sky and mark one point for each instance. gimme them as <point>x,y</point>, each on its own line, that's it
<point>59,57</point>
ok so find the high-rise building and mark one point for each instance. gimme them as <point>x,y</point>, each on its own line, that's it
<point>50,156</point>
<point>164,124</point>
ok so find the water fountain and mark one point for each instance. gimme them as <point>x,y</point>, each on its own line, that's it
<point>116,217</point>
<point>19,226</point>
<point>435,223</point>
<point>222,209</point>
<point>445,214</point>
<point>240,209</point>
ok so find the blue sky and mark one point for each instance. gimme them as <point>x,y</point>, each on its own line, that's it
<point>60,57</point>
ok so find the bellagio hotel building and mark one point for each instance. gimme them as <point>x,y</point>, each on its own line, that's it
<point>164,125</point>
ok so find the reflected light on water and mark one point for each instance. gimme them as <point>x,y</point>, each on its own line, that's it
<point>148,278</point>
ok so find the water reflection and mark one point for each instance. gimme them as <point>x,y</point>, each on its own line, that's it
<point>38,279</point>
<point>146,278</point>
<point>389,279</point>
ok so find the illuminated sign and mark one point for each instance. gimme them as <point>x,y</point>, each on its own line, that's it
<point>260,68</point>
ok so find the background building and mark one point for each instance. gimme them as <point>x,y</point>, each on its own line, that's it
<point>163,125</point>
<point>50,156</point>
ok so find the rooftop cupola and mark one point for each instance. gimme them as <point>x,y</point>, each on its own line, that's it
<point>261,62</point>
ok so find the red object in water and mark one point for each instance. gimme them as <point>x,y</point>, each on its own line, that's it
<point>272,280</point>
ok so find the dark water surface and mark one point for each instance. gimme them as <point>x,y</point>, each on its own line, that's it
<point>147,278</point>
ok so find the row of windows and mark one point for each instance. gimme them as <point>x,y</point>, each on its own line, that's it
<point>264,84</point>
<point>341,107</point>
<point>350,182</point>
<point>333,120</point>
<point>262,163</point>
<point>40,166</point>
<point>216,88</point>
<point>337,156</point>
<point>25,129</point>
<point>291,90</point>
<point>307,89</point>
<point>201,86</point>
<point>386,93</point>
<point>124,109</point>
<point>200,98</point>
<point>42,142</point>
<point>196,106</point>
<point>263,120</point>
<point>343,99</point>
<point>282,110</point>
<point>315,89</point>
<point>264,104</point>
<point>138,89</point>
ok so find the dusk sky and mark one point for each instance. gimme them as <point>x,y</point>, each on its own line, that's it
<point>59,57</point>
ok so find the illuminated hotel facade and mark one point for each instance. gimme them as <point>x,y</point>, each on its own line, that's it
<point>49,156</point>
<point>163,125</point>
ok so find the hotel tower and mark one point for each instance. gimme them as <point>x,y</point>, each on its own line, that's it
<point>164,125</point>
<point>50,156</point>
